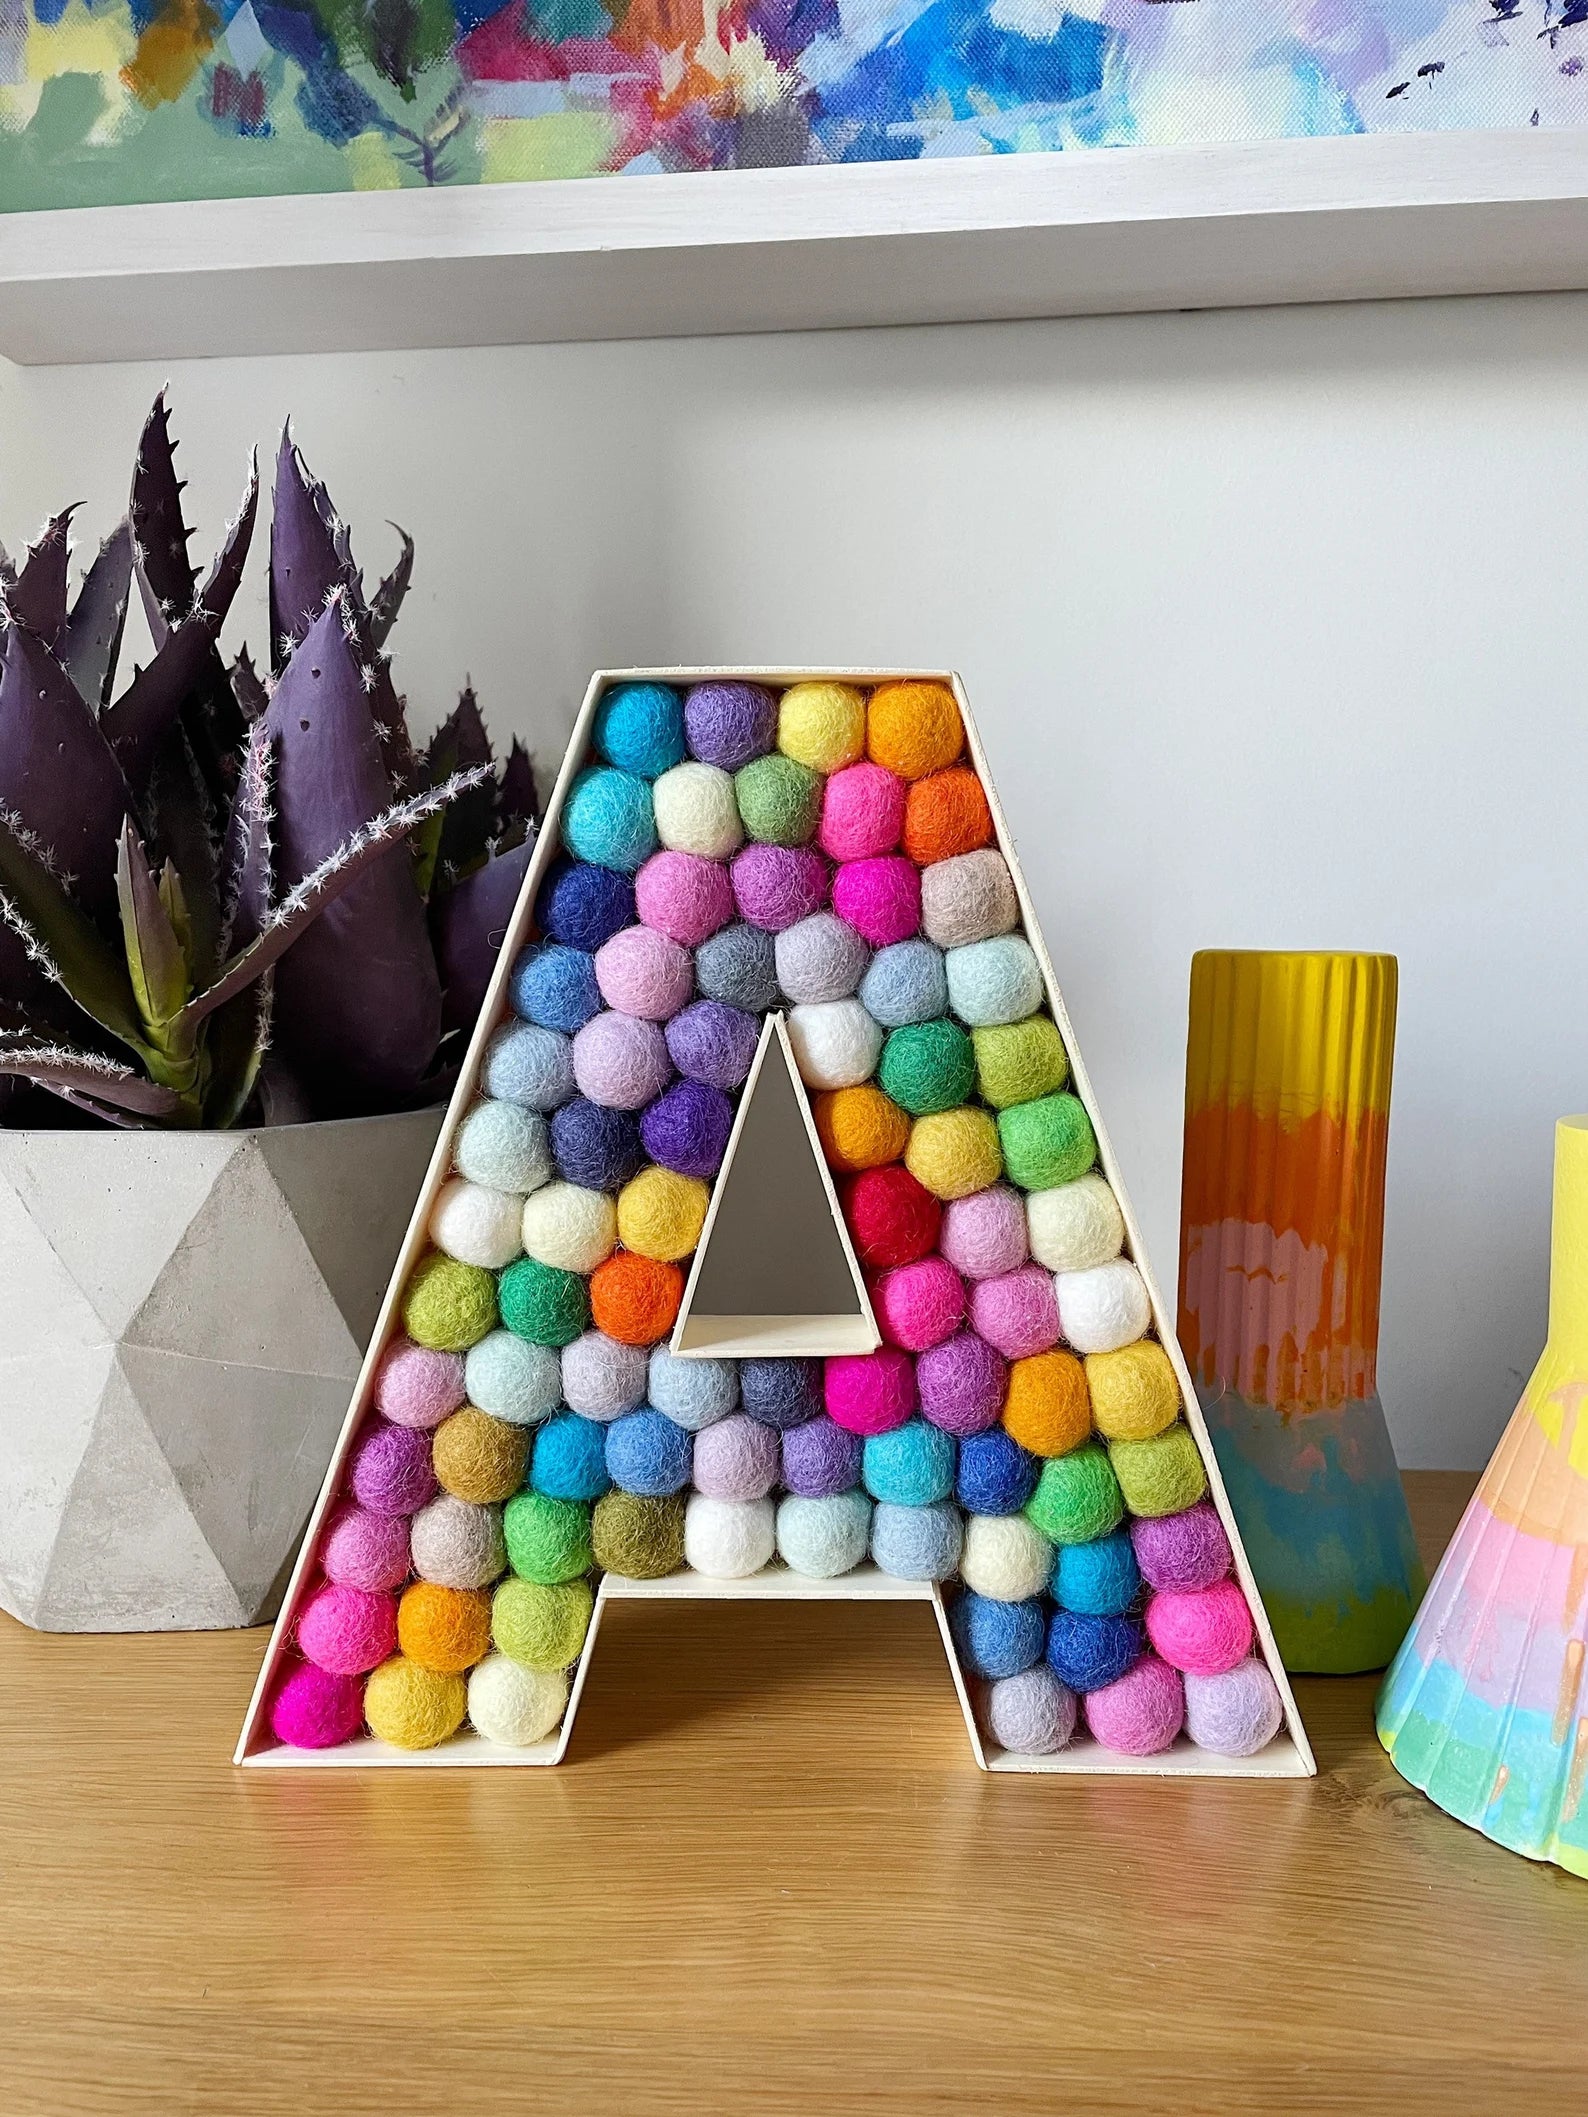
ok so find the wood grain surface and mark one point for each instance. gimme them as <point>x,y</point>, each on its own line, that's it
<point>768,1879</point>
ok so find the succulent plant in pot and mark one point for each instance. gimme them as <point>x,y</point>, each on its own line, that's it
<point>245,925</point>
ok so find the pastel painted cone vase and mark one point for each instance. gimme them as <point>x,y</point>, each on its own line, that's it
<point>1281,1242</point>
<point>1485,1707</point>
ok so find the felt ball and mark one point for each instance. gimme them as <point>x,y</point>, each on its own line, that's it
<point>927,1066</point>
<point>870,1392</point>
<point>347,1630</point>
<point>862,813</point>
<point>1139,1713</point>
<point>905,983</point>
<point>822,958</point>
<point>835,1043</point>
<point>961,1384</point>
<point>601,1378</point>
<point>570,1459</point>
<point>447,1306</point>
<point>1088,1653</point>
<point>514,1706</point>
<point>661,1214</point>
<point>548,1539</point>
<point>478,1458</point>
<point>892,1218</point>
<point>780,802</point>
<point>607,819</point>
<point>1048,1409</point>
<point>1235,1714</point>
<point>1006,1557</point>
<point>621,1062</point>
<point>738,968</point>
<point>364,1550</point>
<point>954,1152</point>
<point>1104,1308</point>
<point>539,1626</point>
<point>775,886</point>
<point>638,1539</point>
<point>391,1471</point>
<point>912,1466</point>
<point>581,906</point>
<point>1032,1714</point>
<point>1018,1061</point>
<point>998,1639</point>
<point>696,812</point>
<point>1015,1312</point>
<point>913,728</point>
<point>921,1304</point>
<point>737,1459</point>
<point>448,1629</point>
<point>417,1387</point>
<point>820,1459</point>
<point>712,1042</point>
<point>822,725</point>
<point>994,1475</point>
<point>821,1538</point>
<point>527,1065</point>
<point>968,900</point>
<point>945,816</point>
<point>1202,1631</point>
<point>993,981</point>
<point>1179,1552</point>
<point>1100,1579</point>
<point>565,1225</point>
<point>783,1392</point>
<point>916,1543</point>
<point>984,1233</point>
<point>647,1454</point>
<point>643,972</point>
<point>1077,1497</point>
<point>315,1710</point>
<point>726,724</point>
<point>686,1129</point>
<point>1134,1392</point>
<point>685,898</point>
<point>412,1707</point>
<point>728,1539</point>
<point>1047,1142</point>
<point>456,1545</point>
<point>542,1303</point>
<point>597,1148</point>
<point>640,728</point>
<point>474,1225</point>
<point>636,1299</point>
<point>693,1393</point>
<point>555,987</point>
<point>880,898</point>
<point>860,1127</point>
<point>1075,1225</point>
<point>504,1146</point>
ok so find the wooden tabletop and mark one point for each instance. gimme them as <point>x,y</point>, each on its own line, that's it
<point>768,1879</point>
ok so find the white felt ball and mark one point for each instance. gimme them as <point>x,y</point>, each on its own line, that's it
<point>505,1146</point>
<point>476,1225</point>
<point>456,1545</point>
<point>728,1539</point>
<point>513,1705</point>
<point>694,1394</point>
<point>836,1043</point>
<point>696,811</point>
<point>569,1227</point>
<point>1075,1225</point>
<point>1005,1557</point>
<point>820,958</point>
<point>993,982</point>
<point>823,1538</point>
<point>600,1378</point>
<point>1103,1308</point>
<point>968,899</point>
<point>512,1379</point>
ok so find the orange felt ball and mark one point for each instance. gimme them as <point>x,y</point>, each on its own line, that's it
<point>945,815</point>
<point>913,728</point>
<point>860,1128</point>
<point>1048,1409</point>
<point>635,1299</point>
<point>448,1629</point>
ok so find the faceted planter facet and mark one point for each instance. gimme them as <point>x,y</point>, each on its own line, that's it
<point>184,1317</point>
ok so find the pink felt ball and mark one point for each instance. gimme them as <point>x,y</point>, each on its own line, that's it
<point>315,1710</point>
<point>391,1471</point>
<point>870,1392</point>
<point>417,1387</point>
<point>1141,1713</point>
<point>984,1235</point>
<point>881,899</point>
<point>1016,1312</point>
<point>962,1384</point>
<point>683,896</point>
<point>1203,1631</point>
<point>621,1062</point>
<point>737,1458</point>
<point>346,1631</point>
<point>645,973</point>
<point>775,886</point>
<point>920,1304</point>
<point>1184,1550</point>
<point>364,1550</point>
<point>862,812</point>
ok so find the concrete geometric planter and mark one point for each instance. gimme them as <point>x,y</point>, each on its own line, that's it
<point>184,1317</point>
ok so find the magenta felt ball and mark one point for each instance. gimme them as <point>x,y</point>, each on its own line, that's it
<point>621,1062</point>
<point>347,1631</point>
<point>644,973</point>
<point>1141,1713</point>
<point>364,1550</point>
<point>870,1392</point>
<point>391,1470</point>
<point>862,812</point>
<point>1181,1551</point>
<point>1016,1312</point>
<point>961,1384</point>
<point>417,1387</point>
<point>683,896</point>
<point>737,1459</point>
<point>315,1710</point>
<point>920,1304</point>
<point>775,886</point>
<point>984,1235</point>
<point>1202,1631</point>
<point>881,899</point>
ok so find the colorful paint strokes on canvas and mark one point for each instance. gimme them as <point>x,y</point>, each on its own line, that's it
<point>107,101</point>
<point>1281,1242</point>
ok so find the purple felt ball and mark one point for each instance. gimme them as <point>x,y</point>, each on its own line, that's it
<point>365,1550</point>
<point>729,724</point>
<point>316,1710</point>
<point>1181,1552</point>
<point>820,1459</point>
<point>1237,1713</point>
<point>687,1128</point>
<point>736,1459</point>
<point>391,1470</point>
<point>684,896</point>
<point>714,1043</point>
<point>417,1387</point>
<point>1016,1312</point>
<point>961,1384</point>
<point>881,899</point>
<point>775,886</point>
<point>621,1062</point>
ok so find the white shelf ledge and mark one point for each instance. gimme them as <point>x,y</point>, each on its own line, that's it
<point>802,249</point>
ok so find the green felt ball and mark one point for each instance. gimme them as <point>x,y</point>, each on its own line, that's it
<point>543,1303</point>
<point>927,1067</point>
<point>1018,1061</point>
<point>1162,1476</point>
<point>636,1537</point>
<point>1077,1497</point>
<point>780,801</point>
<point>541,1627</point>
<point>547,1540</point>
<point>1047,1142</point>
<point>449,1306</point>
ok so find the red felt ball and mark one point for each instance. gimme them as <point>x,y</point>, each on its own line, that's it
<point>892,1218</point>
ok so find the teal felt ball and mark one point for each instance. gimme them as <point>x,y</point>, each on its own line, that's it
<point>542,1303</point>
<point>608,819</point>
<point>640,728</point>
<point>928,1066</point>
<point>912,1466</point>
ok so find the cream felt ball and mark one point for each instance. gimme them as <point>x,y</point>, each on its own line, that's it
<point>822,1538</point>
<point>1018,1061</point>
<point>505,1147</point>
<point>1134,1391</point>
<point>693,1393</point>
<point>916,1543</point>
<point>1203,1631</point>
<point>1235,1714</point>
<point>530,1065</point>
<point>1104,1307</point>
<point>954,1152</point>
<point>1032,1714</point>
<point>696,812</point>
<point>880,898</point>
<point>1139,1713</point>
<point>968,899</point>
<point>572,1228</point>
<point>984,1233</point>
<point>822,725</point>
<point>862,813</point>
<point>602,1379</point>
<point>738,967</point>
<point>621,1062</point>
<point>836,1043</point>
<point>1016,1312</point>
<point>713,1042</point>
<point>1075,1225</point>
<point>683,896</point>
<point>640,728</point>
<point>417,1387</point>
<point>906,983</point>
<point>780,802</point>
<point>993,981</point>
<point>661,1214</point>
<point>737,1459</point>
<point>644,973</point>
<point>1005,1557</point>
<point>822,958</point>
<point>918,1305</point>
<point>475,1225</point>
<point>728,1539</point>
<point>607,819</point>
<point>514,1706</point>
<point>512,1379</point>
<point>364,1550</point>
<point>457,1545</point>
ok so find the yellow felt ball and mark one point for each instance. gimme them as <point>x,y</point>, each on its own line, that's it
<point>1134,1392</point>
<point>661,1214</point>
<point>413,1707</point>
<point>954,1152</point>
<point>822,725</point>
<point>860,1128</point>
<point>913,728</point>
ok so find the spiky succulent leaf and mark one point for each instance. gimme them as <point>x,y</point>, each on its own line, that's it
<point>248,688</point>
<point>155,961</point>
<point>35,906</point>
<point>458,745</point>
<point>58,777</point>
<point>38,600</point>
<point>517,801</point>
<point>388,597</point>
<point>94,628</point>
<point>59,1066</point>
<point>306,566</point>
<point>469,922</point>
<point>160,534</point>
<point>181,826</point>
<point>235,1046</point>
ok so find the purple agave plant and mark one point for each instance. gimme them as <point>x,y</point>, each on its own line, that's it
<point>222,897</point>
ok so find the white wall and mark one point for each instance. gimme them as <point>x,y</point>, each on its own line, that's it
<point>1273,623</point>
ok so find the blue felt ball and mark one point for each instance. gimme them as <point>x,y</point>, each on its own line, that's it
<point>693,1393</point>
<point>997,1638</point>
<point>1089,1652</point>
<point>583,906</point>
<point>912,1466</point>
<point>996,1475</point>
<point>648,1454</point>
<point>1099,1579</point>
<point>917,1543</point>
<point>640,727</point>
<point>570,1459</point>
<point>555,986</point>
<point>530,1065</point>
<point>781,1393</point>
<point>905,983</point>
<point>739,965</point>
<point>596,1148</point>
<point>608,819</point>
